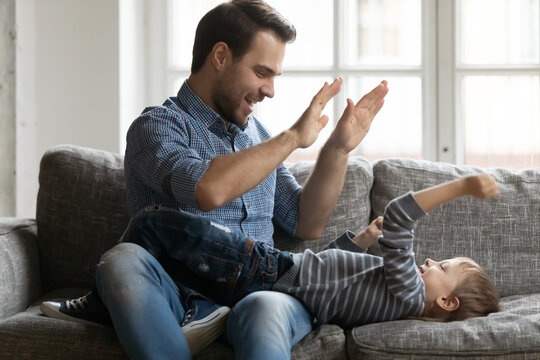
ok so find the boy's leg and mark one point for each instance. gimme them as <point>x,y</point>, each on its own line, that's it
<point>206,255</point>
<point>266,325</point>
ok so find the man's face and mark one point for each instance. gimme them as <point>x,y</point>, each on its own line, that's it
<point>440,277</point>
<point>250,79</point>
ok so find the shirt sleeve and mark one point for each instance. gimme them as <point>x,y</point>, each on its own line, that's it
<point>159,155</point>
<point>287,200</point>
<point>396,245</point>
<point>345,242</point>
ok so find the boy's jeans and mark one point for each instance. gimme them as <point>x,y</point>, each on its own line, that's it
<point>206,256</point>
<point>264,324</point>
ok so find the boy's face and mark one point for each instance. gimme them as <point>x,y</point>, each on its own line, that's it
<point>250,79</point>
<point>440,277</point>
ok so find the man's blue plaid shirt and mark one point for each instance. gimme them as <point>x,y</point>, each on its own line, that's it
<point>169,148</point>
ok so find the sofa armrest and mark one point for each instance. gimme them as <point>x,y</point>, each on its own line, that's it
<point>20,279</point>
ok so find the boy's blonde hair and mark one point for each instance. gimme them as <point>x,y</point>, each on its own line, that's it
<point>475,291</point>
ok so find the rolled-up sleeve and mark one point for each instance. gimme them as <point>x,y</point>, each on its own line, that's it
<point>161,157</point>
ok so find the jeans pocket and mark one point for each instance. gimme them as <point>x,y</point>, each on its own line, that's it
<point>221,276</point>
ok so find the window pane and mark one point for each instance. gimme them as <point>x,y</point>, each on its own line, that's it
<point>183,19</point>
<point>499,31</point>
<point>313,32</point>
<point>397,129</point>
<point>501,116</point>
<point>386,32</point>
<point>292,97</point>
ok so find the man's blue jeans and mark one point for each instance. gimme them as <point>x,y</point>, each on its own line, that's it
<point>145,302</point>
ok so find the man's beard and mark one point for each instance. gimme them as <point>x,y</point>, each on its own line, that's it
<point>227,108</point>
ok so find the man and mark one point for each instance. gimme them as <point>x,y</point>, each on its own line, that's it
<point>203,152</point>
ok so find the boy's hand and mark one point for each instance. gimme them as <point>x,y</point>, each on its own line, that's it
<point>481,186</point>
<point>369,237</point>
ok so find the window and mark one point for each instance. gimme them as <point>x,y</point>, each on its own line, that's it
<point>498,81</point>
<point>463,74</point>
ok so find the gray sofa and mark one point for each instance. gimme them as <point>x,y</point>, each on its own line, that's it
<point>81,212</point>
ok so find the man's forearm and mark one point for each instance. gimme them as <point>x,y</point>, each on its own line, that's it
<point>320,192</point>
<point>232,175</point>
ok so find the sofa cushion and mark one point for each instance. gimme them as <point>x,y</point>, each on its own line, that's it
<point>326,342</point>
<point>81,212</point>
<point>20,281</point>
<point>31,335</point>
<point>513,333</point>
<point>351,212</point>
<point>501,234</point>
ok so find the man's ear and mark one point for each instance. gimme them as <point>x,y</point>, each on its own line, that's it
<point>447,303</point>
<point>220,55</point>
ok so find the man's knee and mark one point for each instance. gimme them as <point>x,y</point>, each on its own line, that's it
<point>273,321</point>
<point>268,307</point>
<point>124,258</point>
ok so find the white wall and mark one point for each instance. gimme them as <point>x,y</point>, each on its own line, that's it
<point>68,81</point>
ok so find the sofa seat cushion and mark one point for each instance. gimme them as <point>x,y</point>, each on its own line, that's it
<point>31,335</point>
<point>513,333</point>
<point>326,342</point>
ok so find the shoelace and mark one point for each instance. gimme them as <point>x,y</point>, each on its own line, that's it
<point>77,304</point>
<point>187,317</point>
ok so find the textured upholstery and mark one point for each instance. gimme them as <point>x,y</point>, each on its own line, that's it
<point>31,335</point>
<point>510,334</point>
<point>350,213</point>
<point>20,281</point>
<point>81,213</point>
<point>502,234</point>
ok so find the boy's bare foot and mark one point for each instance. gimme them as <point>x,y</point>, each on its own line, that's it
<point>369,236</point>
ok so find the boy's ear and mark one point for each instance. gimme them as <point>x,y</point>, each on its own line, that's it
<point>447,303</point>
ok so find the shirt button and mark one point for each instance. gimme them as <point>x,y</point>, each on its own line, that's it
<point>249,206</point>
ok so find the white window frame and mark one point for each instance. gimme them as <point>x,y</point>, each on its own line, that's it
<point>442,129</point>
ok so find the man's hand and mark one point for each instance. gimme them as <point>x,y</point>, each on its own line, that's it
<point>369,237</point>
<point>356,120</point>
<point>481,186</point>
<point>310,124</point>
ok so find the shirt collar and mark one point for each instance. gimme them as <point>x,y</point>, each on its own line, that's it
<point>202,112</point>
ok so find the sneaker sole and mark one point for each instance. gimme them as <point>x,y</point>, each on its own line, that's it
<point>200,334</point>
<point>51,310</point>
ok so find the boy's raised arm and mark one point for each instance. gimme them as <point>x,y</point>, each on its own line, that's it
<point>482,186</point>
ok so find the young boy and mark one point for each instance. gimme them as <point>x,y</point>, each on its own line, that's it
<point>341,284</point>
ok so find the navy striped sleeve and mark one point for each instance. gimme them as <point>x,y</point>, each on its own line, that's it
<point>345,242</point>
<point>396,245</point>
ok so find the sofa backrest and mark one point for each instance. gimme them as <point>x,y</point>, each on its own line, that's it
<point>502,234</point>
<point>81,212</point>
<point>351,212</point>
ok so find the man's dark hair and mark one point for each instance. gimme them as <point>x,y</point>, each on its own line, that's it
<point>236,23</point>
